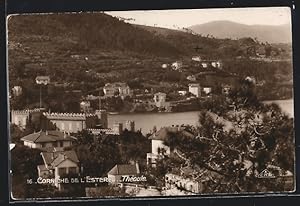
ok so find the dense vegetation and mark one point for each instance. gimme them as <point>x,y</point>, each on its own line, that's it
<point>261,137</point>
<point>97,155</point>
<point>81,53</point>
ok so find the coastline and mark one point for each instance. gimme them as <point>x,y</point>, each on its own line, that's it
<point>187,110</point>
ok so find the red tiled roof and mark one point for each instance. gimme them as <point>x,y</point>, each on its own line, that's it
<point>124,169</point>
<point>42,168</point>
<point>55,158</point>
<point>166,132</point>
<point>49,136</point>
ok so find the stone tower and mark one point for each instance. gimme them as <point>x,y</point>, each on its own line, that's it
<point>117,128</point>
<point>102,116</point>
<point>130,125</point>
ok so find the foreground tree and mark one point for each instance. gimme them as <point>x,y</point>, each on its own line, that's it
<point>253,152</point>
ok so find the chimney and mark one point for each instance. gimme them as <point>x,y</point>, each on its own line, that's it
<point>46,132</point>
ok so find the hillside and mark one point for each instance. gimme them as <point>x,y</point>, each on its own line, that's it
<point>84,52</point>
<point>96,45</point>
<point>228,29</point>
<point>88,31</point>
<point>99,31</point>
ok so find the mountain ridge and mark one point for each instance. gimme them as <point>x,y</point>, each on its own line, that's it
<point>229,29</point>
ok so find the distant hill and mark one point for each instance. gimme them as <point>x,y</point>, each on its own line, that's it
<point>88,50</point>
<point>207,46</point>
<point>86,33</point>
<point>228,29</point>
<point>159,30</point>
<point>63,42</point>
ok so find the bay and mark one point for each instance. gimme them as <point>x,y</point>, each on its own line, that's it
<point>146,121</point>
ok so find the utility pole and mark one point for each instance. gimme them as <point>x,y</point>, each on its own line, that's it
<point>99,101</point>
<point>42,80</point>
<point>40,95</point>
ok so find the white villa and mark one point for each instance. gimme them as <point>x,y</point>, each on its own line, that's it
<point>117,89</point>
<point>158,147</point>
<point>48,139</point>
<point>58,164</point>
<point>195,89</point>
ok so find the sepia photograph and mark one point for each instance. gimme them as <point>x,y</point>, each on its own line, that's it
<point>154,103</point>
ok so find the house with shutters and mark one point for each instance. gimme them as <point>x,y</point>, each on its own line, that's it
<point>158,147</point>
<point>45,140</point>
<point>58,164</point>
<point>76,122</point>
<point>117,89</point>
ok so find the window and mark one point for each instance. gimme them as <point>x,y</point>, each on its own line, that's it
<point>62,171</point>
<point>72,170</point>
<point>24,121</point>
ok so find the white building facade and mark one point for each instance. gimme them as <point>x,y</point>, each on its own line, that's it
<point>195,89</point>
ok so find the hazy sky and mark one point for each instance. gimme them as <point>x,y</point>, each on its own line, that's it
<point>188,17</point>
